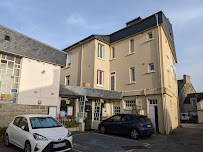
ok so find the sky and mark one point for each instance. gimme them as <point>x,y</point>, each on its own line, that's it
<point>60,23</point>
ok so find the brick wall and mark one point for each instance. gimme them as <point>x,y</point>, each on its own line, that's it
<point>9,110</point>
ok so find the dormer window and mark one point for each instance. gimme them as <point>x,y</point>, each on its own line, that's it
<point>7,38</point>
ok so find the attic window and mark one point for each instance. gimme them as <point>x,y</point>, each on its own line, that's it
<point>7,37</point>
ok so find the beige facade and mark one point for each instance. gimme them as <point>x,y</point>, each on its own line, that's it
<point>200,111</point>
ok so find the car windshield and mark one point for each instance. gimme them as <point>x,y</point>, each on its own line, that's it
<point>44,122</point>
<point>143,118</point>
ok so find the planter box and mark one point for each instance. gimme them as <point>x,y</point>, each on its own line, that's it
<point>73,129</point>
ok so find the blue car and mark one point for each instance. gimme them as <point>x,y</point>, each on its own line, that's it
<point>134,125</point>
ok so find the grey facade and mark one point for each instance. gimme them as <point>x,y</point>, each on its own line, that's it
<point>21,45</point>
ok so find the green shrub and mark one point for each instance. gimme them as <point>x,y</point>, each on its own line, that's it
<point>71,124</point>
<point>2,131</point>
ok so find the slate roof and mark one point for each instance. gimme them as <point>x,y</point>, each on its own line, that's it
<point>89,92</point>
<point>199,97</point>
<point>141,25</point>
<point>25,46</point>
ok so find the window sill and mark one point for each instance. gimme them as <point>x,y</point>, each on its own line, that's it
<point>130,54</point>
<point>149,40</point>
<point>150,72</point>
<point>99,85</point>
<point>101,58</point>
<point>112,59</point>
<point>131,83</point>
<point>67,67</point>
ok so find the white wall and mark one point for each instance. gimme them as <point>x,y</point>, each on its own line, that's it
<point>35,85</point>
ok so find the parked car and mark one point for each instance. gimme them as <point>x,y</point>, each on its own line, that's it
<point>184,117</point>
<point>133,125</point>
<point>35,133</point>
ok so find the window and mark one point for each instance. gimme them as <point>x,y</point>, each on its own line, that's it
<point>7,37</point>
<point>101,51</point>
<point>194,103</point>
<point>150,36</point>
<point>69,60</point>
<point>23,122</point>
<point>130,103</point>
<point>115,118</point>
<point>16,121</point>
<point>117,110</point>
<point>67,80</point>
<point>132,75</point>
<point>112,53</point>
<point>113,81</point>
<point>126,118</point>
<point>132,49</point>
<point>151,67</point>
<point>100,77</point>
<point>152,101</point>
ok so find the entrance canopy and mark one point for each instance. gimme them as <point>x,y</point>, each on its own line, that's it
<point>89,92</point>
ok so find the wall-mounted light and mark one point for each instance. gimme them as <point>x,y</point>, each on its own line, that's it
<point>39,102</point>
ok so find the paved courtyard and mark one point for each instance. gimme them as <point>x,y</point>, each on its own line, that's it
<point>182,140</point>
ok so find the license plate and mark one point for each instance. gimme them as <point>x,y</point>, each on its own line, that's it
<point>59,145</point>
<point>149,126</point>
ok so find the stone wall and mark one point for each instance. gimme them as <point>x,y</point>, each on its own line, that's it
<point>9,110</point>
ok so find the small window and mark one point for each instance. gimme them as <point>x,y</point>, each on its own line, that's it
<point>132,75</point>
<point>130,103</point>
<point>69,60</point>
<point>68,80</point>
<point>132,49</point>
<point>7,38</point>
<point>150,36</point>
<point>100,77</point>
<point>115,118</point>
<point>112,53</point>
<point>117,110</point>
<point>151,67</point>
<point>194,103</point>
<point>101,51</point>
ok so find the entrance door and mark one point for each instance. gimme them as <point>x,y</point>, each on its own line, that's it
<point>52,111</point>
<point>153,114</point>
<point>87,116</point>
<point>113,81</point>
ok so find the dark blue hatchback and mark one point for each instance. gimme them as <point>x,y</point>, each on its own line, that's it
<point>134,125</point>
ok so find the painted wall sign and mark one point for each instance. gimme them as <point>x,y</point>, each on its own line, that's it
<point>13,90</point>
<point>6,96</point>
<point>104,112</point>
<point>67,101</point>
<point>62,113</point>
<point>3,61</point>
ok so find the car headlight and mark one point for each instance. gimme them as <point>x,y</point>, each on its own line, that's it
<point>39,137</point>
<point>69,134</point>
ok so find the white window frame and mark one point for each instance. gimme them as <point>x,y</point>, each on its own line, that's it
<point>99,78</point>
<point>112,52</point>
<point>148,36</point>
<point>100,51</point>
<point>130,103</point>
<point>131,51</point>
<point>117,110</point>
<point>69,60</point>
<point>131,74</point>
<point>149,67</point>
<point>66,80</point>
<point>114,74</point>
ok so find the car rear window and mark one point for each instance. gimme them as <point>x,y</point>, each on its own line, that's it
<point>44,122</point>
<point>143,118</point>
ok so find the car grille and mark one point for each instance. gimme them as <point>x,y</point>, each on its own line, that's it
<point>49,147</point>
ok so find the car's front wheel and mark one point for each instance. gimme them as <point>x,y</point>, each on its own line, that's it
<point>27,147</point>
<point>6,140</point>
<point>134,134</point>
<point>102,129</point>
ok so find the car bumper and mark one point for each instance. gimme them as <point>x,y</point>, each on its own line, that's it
<point>47,145</point>
<point>146,131</point>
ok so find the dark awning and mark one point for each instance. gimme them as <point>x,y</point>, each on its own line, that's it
<point>89,92</point>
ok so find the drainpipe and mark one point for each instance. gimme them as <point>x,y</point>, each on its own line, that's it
<point>161,73</point>
<point>81,66</point>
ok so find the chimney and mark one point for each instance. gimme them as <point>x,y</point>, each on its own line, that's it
<point>186,79</point>
<point>134,21</point>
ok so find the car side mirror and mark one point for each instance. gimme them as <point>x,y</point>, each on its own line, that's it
<point>23,127</point>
